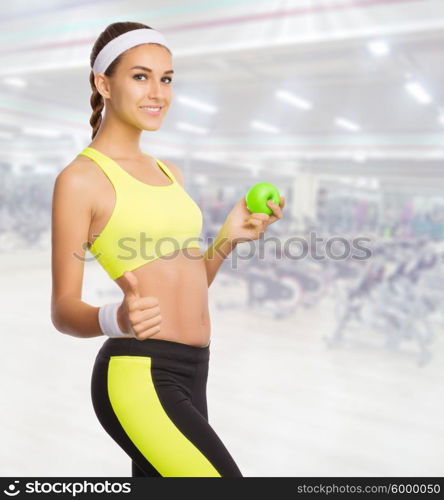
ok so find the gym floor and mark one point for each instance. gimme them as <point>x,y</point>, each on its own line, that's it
<point>283,402</point>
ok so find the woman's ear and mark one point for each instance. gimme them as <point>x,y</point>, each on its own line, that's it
<point>102,84</point>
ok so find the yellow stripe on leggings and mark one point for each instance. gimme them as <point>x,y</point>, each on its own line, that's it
<point>138,408</point>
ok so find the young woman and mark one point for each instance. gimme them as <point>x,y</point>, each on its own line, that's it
<point>131,211</point>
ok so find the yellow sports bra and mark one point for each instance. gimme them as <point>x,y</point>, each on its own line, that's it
<point>147,222</point>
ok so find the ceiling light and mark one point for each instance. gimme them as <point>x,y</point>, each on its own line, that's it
<point>258,125</point>
<point>191,128</point>
<point>360,157</point>
<point>378,48</point>
<point>342,122</point>
<point>286,96</point>
<point>15,82</point>
<point>418,91</point>
<point>196,104</point>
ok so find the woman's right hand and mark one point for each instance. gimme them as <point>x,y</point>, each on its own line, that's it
<point>138,316</point>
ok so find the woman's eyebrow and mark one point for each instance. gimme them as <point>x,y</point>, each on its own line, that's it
<point>149,70</point>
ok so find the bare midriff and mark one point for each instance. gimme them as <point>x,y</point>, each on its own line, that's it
<point>179,281</point>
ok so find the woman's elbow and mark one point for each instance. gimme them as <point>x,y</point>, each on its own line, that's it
<point>56,318</point>
<point>58,325</point>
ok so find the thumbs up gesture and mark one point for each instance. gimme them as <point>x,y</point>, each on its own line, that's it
<point>138,315</point>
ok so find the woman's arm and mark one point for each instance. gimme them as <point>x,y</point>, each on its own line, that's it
<point>217,252</point>
<point>240,225</point>
<point>77,318</point>
<point>71,216</point>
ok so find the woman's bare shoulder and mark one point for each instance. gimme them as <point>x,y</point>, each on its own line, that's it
<point>79,167</point>
<point>80,174</point>
<point>79,179</point>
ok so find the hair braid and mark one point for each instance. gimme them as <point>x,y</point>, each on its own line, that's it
<point>97,105</point>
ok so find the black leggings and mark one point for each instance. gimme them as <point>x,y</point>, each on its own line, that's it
<point>150,397</point>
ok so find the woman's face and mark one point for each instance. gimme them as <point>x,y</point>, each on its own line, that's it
<point>150,84</point>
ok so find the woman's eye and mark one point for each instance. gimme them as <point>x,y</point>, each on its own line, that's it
<point>141,74</point>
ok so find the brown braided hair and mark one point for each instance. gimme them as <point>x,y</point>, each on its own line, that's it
<point>111,31</point>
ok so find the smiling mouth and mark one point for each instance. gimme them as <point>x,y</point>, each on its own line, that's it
<point>151,110</point>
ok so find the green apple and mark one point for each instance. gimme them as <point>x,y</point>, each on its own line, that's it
<point>258,195</point>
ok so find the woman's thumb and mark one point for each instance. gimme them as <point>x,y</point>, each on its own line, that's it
<point>132,288</point>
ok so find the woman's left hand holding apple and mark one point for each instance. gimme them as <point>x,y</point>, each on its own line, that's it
<point>242,225</point>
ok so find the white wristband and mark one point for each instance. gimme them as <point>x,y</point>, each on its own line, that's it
<point>108,320</point>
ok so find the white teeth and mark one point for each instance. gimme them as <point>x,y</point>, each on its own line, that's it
<point>151,109</point>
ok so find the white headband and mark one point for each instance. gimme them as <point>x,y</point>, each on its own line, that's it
<point>124,42</point>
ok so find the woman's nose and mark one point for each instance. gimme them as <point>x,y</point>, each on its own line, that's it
<point>154,89</point>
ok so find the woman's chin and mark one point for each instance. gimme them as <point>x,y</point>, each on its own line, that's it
<point>151,128</point>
